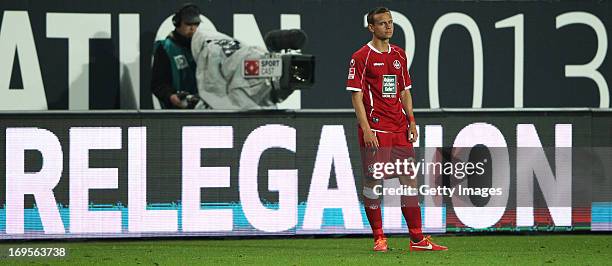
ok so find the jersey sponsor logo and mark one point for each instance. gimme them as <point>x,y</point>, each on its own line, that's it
<point>397,64</point>
<point>379,64</point>
<point>352,62</point>
<point>181,62</point>
<point>351,74</point>
<point>389,86</point>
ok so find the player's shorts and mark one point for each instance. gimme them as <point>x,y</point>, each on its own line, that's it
<point>392,147</point>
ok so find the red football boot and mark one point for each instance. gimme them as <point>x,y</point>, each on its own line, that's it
<point>380,245</point>
<point>426,245</point>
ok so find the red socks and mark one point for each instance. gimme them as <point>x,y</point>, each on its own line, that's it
<point>410,210</point>
<point>412,214</point>
<point>372,210</point>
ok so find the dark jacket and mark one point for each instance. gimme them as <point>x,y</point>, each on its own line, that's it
<point>161,76</point>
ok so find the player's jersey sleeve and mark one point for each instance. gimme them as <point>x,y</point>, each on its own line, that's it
<point>406,74</point>
<point>354,81</point>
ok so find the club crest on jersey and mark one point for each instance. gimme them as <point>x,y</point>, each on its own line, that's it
<point>352,62</point>
<point>389,86</point>
<point>397,64</point>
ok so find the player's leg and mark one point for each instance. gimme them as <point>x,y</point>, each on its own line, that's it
<point>371,199</point>
<point>411,210</point>
<point>402,150</point>
<point>371,204</point>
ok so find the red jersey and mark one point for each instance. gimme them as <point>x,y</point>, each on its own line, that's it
<point>381,76</point>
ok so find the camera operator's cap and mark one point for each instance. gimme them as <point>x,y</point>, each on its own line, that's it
<point>190,14</point>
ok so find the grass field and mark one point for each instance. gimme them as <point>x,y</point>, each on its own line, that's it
<point>540,249</point>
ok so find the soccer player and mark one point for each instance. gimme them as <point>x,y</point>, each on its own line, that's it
<point>380,84</point>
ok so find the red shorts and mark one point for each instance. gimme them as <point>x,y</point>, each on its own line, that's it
<point>392,148</point>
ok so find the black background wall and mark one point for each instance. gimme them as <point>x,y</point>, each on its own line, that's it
<point>335,30</point>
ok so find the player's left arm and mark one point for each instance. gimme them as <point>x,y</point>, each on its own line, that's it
<point>407,105</point>
<point>406,98</point>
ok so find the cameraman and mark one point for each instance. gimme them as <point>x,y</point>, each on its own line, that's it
<point>173,74</point>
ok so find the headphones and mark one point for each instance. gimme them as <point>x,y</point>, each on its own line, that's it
<point>176,19</point>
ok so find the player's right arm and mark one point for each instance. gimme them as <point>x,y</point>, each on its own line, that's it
<point>354,84</point>
<point>369,137</point>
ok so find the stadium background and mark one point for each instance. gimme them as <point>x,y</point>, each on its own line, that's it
<point>110,62</point>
